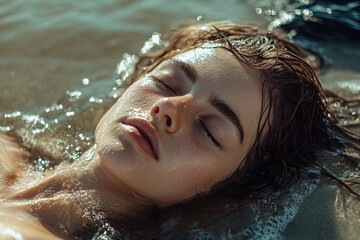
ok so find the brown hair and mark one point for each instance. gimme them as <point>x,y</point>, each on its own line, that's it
<point>295,121</point>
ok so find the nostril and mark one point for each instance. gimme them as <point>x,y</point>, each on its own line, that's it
<point>168,121</point>
<point>156,109</point>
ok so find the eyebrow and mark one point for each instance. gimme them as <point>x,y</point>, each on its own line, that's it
<point>226,110</point>
<point>215,101</point>
<point>187,68</point>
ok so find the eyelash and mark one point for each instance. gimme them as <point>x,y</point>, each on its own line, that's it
<point>208,133</point>
<point>157,80</point>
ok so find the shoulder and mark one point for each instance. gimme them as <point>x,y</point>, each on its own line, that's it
<point>12,158</point>
<point>16,224</point>
<point>10,148</point>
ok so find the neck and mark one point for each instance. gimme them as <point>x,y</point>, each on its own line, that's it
<point>78,195</point>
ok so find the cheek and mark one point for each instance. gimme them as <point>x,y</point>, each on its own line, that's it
<point>200,169</point>
<point>139,99</point>
<point>190,159</point>
<point>134,101</point>
<point>182,182</point>
<point>191,168</point>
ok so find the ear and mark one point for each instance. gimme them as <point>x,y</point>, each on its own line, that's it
<point>12,159</point>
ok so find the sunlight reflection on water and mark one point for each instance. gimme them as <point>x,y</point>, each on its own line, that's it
<point>60,74</point>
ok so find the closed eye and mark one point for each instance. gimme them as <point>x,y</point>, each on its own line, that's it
<point>208,133</point>
<point>158,81</point>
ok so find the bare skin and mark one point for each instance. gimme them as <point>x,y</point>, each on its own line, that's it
<point>191,112</point>
<point>168,138</point>
<point>14,221</point>
<point>60,203</point>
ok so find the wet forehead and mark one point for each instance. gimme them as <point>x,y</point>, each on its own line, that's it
<point>218,62</point>
<point>196,55</point>
<point>220,72</point>
<point>220,65</point>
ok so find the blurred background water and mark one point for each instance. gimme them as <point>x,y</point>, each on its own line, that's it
<point>48,47</point>
<point>59,60</point>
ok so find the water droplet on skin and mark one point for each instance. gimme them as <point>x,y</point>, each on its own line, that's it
<point>138,112</point>
<point>205,28</point>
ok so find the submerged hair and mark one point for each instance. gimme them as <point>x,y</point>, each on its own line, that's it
<point>296,123</point>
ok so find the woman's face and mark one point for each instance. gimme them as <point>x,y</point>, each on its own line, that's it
<point>183,127</point>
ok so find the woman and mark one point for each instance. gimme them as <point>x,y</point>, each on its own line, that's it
<point>223,108</point>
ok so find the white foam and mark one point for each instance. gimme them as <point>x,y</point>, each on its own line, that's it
<point>266,218</point>
<point>273,213</point>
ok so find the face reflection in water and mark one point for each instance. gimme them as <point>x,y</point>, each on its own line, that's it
<point>175,132</point>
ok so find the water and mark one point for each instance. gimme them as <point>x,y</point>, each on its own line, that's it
<point>61,68</point>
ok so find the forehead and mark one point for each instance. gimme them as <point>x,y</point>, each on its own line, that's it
<point>197,55</point>
<point>220,66</point>
<point>222,74</point>
<point>220,62</point>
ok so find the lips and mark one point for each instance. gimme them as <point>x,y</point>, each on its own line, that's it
<point>143,133</point>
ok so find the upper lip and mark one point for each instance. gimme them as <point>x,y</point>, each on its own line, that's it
<point>147,130</point>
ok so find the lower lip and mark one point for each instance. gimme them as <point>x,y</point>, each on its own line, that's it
<point>139,140</point>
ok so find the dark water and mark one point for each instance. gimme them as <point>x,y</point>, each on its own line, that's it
<point>58,74</point>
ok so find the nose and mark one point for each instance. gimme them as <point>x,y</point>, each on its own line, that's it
<point>171,112</point>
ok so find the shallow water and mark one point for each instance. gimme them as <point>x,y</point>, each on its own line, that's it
<point>58,74</point>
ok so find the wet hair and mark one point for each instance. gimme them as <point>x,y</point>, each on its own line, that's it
<point>295,122</point>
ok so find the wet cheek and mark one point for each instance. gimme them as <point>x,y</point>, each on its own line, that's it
<point>139,100</point>
<point>202,177</point>
<point>191,164</point>
<point>182,150</point>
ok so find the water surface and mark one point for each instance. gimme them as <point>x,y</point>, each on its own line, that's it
<point>58,68</point>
